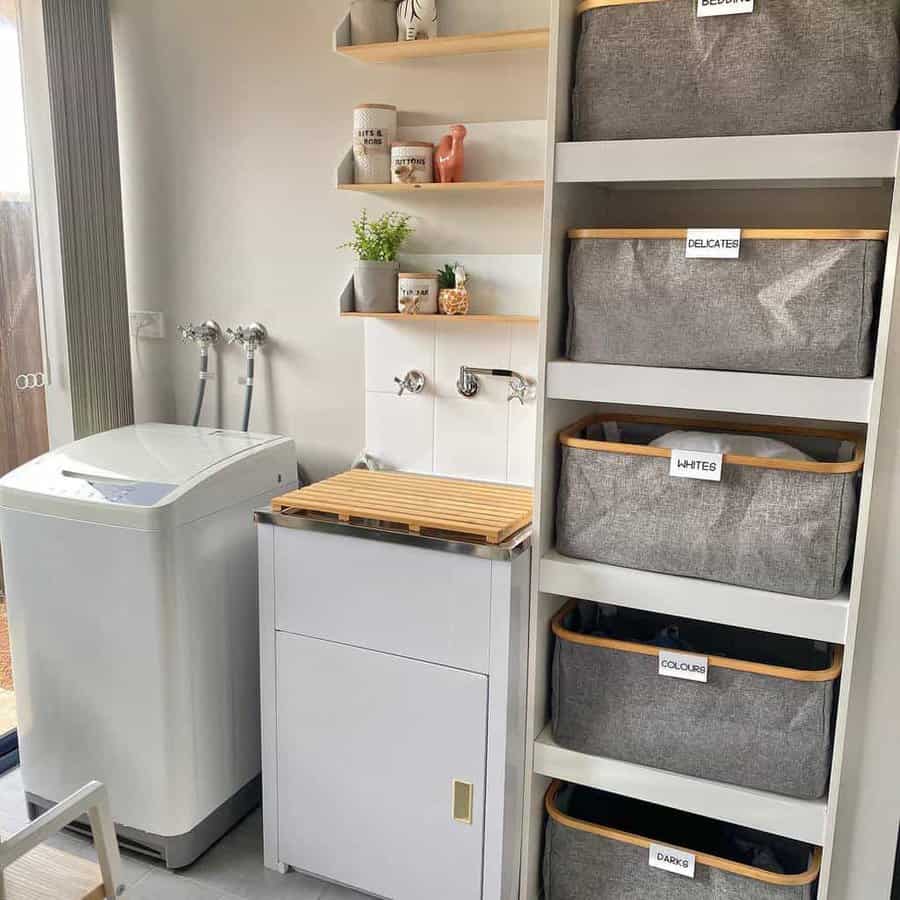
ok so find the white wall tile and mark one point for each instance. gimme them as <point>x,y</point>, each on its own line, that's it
<point>471,437</point>
<point>393,348</point>
<point>400,430</point>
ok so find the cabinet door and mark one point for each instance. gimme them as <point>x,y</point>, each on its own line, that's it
<point>369,746</point>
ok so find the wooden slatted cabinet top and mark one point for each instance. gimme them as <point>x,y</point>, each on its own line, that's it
<point>420,503</point>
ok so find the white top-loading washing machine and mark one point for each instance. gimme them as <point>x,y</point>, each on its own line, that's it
<point>131,574</point>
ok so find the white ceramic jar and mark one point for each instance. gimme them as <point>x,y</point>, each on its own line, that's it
<point>412,162</point>
<point>417,293</point>
<point>374,128</point>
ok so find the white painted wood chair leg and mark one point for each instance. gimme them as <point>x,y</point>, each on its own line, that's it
<point>92,800</point>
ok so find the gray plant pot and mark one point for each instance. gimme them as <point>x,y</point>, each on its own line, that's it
<point>373,21</point>
<point>375,286</point>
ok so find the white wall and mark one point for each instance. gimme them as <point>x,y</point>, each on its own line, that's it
<point>233,117</point>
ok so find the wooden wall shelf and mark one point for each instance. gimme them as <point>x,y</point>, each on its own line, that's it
<point>521,320</point>
<point>438,188</point>
<point>454,45</point>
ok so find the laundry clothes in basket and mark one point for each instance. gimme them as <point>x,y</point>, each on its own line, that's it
<point>742,707</point>
<point>657,69</point>
<point>774,524</point>
<point>796,302</point>
<point>600,846</point>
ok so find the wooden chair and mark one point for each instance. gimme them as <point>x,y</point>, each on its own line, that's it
<point>29,871</point>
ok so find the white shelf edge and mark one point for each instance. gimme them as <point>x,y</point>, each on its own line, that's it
<point>693,598</point>
<point>855,156</point>
<point>802,820</point>
<point>790,396</point>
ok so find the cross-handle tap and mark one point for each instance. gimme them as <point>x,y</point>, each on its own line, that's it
<point>467,384</point>
<point>204,334</point>
<point>413,381</point>
<point>250,337</point>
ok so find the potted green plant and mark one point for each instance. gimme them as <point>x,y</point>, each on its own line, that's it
<point>376,243</point>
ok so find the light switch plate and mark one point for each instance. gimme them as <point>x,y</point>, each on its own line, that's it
<point>147,324</point>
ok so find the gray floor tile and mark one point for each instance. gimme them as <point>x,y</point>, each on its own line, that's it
<point>134,867</point>
<point>163,885</point>
<point>335,892</point>
<point>13,815</point>
<point>235,865</point>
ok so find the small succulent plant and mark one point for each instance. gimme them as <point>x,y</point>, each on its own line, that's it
<point>447,277</point>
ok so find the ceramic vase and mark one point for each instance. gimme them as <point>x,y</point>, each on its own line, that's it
<point>375,286</point>
<point>449,158</point>
<point>372,21</point>
<point>417,19</point>
<point>374,128</point>
<point>454,301</point>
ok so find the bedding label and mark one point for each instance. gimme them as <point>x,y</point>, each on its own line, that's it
<point>696,464</point>
<point>723,7</point>
<point>678,861</point>
<point>713,243</point>
<point>688,666</point>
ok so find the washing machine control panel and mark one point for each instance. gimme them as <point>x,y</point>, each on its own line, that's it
<point>81,486</point>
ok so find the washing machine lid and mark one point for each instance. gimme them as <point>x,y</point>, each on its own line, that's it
<point>140,467</point>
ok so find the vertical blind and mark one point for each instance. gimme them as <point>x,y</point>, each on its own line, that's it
<point>83,117</point>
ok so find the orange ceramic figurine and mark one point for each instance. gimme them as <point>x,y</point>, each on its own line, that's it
<point>449,158</point>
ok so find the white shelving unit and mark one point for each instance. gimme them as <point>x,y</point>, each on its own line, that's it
<point>803,820</point>
<point>807,181</point>
<point>822,620</point>
<point>791,396</point>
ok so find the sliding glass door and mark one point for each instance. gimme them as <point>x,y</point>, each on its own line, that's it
<point>23,410</point>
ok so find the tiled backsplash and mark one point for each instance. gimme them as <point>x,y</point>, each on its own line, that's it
<point>484,437</point>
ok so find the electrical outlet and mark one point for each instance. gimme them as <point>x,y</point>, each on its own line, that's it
<point>148,325</point>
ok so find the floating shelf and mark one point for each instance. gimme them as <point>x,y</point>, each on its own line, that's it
<point>821,620</point>
<point>461,187</point>
<point>833,159</point>
<point>440,318</point>
<point>792,396</point>
<point>454,45</point>
<point>802,820</point>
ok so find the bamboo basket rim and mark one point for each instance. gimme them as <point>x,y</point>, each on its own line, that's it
<point>704,859</point>
<point>567,438</point>
<point>747,234</point>
<point>785,673</point>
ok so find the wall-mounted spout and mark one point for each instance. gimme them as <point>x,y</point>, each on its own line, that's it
<point>204,335</point>
<point>467,384</point>
<point>251,338</point>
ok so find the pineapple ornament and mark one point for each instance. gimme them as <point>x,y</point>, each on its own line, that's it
<point>453,299</point>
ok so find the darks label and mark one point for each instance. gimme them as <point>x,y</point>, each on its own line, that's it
<point>723,7</point>
<point>679,861</point>
<point>713,243</point>
<point>687,666</point>
<point>696,464</point>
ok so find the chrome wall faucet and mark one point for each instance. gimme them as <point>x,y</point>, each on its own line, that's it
<point>413,381</point>
<point>467,384</point>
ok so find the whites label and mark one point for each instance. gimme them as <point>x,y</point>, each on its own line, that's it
<point>688,666</point>
<point>672,860</point>
<point>723,7</point>
<point>713,243</point>
<point>696,464</point>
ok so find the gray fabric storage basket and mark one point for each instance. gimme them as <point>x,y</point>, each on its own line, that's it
<point>790,305</point>
<point>653,69</point>
<point>597,848</point>
<point>775,525</point>
<point>762,720</point>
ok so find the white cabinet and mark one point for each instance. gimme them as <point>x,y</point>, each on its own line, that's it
<point>393,700</point>
<point>369,746</point>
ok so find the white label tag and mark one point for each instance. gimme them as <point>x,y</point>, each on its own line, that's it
<point>688,666</point>
<point>723,7</point>
<point>672,860</point>
<point>696,464</point>
<point>713,243</point>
